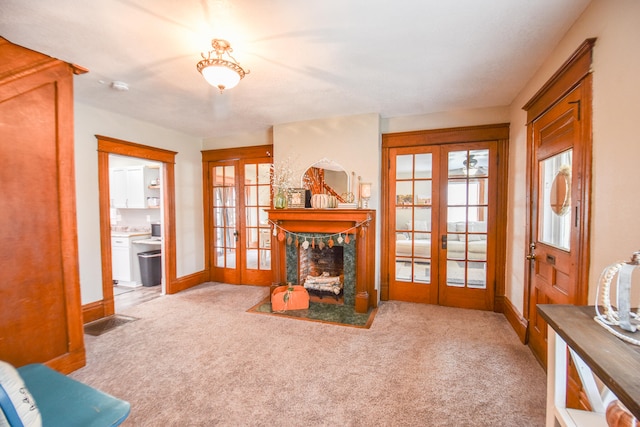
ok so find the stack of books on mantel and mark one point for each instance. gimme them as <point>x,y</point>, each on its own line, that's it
<point>347,205</point>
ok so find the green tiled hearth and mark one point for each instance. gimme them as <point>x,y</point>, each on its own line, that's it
<point>330,313</point>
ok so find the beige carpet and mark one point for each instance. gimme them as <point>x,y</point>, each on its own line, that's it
<point>198,358</point>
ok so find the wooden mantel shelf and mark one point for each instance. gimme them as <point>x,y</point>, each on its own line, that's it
<point>333,221</point>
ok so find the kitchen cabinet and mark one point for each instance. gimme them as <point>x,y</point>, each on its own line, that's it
<point>130,187</point>
<point>124,258</point>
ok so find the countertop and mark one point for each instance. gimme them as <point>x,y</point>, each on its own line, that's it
<point>130,233</point>
<point>151,241</point>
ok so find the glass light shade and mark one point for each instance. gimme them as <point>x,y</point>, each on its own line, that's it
<point>365,190</point>
<point>220,76</point>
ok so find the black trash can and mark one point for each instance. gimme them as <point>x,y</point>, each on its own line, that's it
<point>150,267</point>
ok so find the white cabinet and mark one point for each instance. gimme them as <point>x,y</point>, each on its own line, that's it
<point>124,259</point>
<point>129,186</point>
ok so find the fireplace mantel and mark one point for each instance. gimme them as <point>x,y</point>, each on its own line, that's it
<point>330,221</point>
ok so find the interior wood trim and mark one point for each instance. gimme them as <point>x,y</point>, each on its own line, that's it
<point>58,341</point>
<point>493,132</point>
<point>239,153</point>
<point>518,323</point>
<point>93,311</point>
<point>446,136</point>
<point>563,80</point>
<point>106,146</point>
<point>125,148</point>
<point>189,281</point>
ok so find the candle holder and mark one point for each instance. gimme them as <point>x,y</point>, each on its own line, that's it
<point>365,194</point>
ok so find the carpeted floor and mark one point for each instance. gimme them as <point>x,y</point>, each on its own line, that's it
<point>198,358</point>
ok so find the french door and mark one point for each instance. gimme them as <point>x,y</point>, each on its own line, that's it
<point>442,214</point>
<point>239,238</point>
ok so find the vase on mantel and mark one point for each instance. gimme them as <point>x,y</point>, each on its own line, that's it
<point>280,200</point>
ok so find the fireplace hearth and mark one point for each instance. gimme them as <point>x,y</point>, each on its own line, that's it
<point>339,244</point>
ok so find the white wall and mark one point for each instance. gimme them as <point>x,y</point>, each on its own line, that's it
<point>90,121</point>
<point>615,205</point>
<point>246,139</point>
<point>448,119</point>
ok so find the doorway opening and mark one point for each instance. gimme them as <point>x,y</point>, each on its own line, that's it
<point>137,222</point>
<point>135,214</point>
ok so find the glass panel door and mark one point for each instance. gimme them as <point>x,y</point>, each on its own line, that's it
<point>224,216</point>
<point>412,212</point>
<point>257,190</point>
<point>468,205</point>
<point>467,214</point>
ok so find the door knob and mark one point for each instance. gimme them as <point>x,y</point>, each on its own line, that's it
<point>531,255</point>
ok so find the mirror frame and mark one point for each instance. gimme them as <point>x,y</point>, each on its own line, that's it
<point>325,163</point>
<point>562,177</point>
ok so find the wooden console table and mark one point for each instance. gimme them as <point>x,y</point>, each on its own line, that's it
<point>596,352</point>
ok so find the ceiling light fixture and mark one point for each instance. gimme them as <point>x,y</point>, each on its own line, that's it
<point>219,72</point>
<point>470,165</point>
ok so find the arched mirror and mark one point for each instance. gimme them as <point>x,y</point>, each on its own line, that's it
<point>560,196</point>
<point>328,177</point>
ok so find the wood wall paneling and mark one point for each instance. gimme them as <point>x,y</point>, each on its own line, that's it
<point>40,319</point>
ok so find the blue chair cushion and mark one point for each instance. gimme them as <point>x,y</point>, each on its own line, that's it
<point>65,402</point>
<point>17,405</point>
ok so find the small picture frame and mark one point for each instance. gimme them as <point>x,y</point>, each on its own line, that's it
<point>296,198</point>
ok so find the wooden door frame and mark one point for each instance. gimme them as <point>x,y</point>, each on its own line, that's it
<point>107,146</point>
<point>575,71</point>
<point>225,154</point>
<point>493,132</point>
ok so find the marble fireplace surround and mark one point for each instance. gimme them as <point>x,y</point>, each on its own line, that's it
<point>325,222</point>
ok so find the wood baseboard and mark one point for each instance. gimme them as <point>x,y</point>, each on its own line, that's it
<point>186,282</point>
<point>516,320</point>
<point>98,309</point>
<point>93,311</point>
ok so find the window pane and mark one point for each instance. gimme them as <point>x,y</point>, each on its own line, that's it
<point>264,173</point>
<point>457,192</point>
<point>404,167</point>
<point>477,275</point>
<point>404,219</point>
<point>554,217</point>
<point>423,193</point>
<point>422,219</point>
<point>423,166</point>
<point>456,273</point>
<point>404,193</point>
<point>252,259</point>
<point>250,171</point>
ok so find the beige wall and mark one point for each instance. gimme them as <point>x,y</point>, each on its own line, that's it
<point>616,145</point>
<point>91,121</point>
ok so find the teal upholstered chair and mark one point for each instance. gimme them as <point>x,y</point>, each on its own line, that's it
<point>37,395</point>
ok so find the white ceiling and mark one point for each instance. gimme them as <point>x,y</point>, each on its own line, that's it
<point>307,59</point>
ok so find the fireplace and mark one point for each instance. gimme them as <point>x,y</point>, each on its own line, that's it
<point>321,271</point>
<point>331,244</point>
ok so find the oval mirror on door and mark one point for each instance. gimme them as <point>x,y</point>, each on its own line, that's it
<point>560,197</point>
